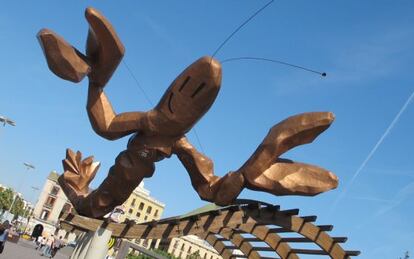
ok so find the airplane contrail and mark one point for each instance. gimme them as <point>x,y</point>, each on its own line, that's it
<point>374,149</point>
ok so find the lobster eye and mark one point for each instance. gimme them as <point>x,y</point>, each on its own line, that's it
<point>199,88</point>
<point>169,102</point>
<point>184,83</point>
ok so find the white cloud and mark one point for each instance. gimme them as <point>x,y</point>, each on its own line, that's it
<point>401,196</point>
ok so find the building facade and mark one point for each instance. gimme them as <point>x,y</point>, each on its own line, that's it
<point>51,202</point>
<point>186,246</point>
<point>141,207</point>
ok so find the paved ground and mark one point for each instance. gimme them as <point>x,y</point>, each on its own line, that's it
<point>24,250</point>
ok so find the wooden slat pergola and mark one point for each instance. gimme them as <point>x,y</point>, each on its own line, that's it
<point>249,227</point>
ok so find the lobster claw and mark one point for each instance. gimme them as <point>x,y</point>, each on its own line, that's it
<point>264,171</point>
<point>104,49</point>
<point>62,59</point>
<point>286,177</point>
<point>104,52</point>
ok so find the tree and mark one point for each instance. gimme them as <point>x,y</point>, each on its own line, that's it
<point>195,255</point>
<point>158,251</point>
<point>18,207</point>
<point>6,199</point>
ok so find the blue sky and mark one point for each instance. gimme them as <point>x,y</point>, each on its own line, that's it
<point>365,47</point>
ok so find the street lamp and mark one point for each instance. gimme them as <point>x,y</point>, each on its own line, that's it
<point>35,189</point>
<point>6,120</point>
<point>28,166</point>
<point>31,167</point>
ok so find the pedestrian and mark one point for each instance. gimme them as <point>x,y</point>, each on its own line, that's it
<point>47,251</point>
<point>4,233</point>
<point>56,246</point>
<point>39,242</point>
<point>42,243</point>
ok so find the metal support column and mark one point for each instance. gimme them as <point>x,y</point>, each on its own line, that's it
<point>98,247</point>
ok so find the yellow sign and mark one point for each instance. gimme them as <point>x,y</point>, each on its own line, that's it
<point>111,242</point>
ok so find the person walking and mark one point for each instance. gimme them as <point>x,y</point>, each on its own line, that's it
<point>56,246</point>
<point>4,233</point>
<point>47,251</point>
<point>42,243</point>
<point>39,242</point>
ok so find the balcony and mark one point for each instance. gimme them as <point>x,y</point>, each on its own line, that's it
<point>54,192</point>
<point>48,205</point>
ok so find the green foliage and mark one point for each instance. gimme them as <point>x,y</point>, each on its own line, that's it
<point>195,255</point>
<point>6,199</point>
<point>165,253</point>
<point>17,209</point>
<point>158,251</point>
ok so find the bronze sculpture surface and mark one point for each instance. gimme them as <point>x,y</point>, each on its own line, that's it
<point>160,132</point>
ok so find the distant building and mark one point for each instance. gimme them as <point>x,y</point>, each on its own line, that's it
<point>51,203</point>
<point>141,207</point>
<point>185,246</point>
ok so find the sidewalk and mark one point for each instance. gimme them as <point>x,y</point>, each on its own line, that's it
<point>24,250</point>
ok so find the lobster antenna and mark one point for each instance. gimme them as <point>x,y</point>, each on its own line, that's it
<point>138,84</point>
<point>241,26</point>
<point>274,61</point>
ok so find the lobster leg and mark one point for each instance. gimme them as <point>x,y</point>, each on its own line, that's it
<point>264,171</point>
<point>220,190</point>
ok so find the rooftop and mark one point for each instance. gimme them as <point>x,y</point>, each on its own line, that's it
<point>53,176</point>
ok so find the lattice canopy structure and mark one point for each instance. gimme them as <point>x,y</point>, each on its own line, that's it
<point>247,229</point>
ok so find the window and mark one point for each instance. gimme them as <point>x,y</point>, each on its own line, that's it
<point>141,206</point>
<point>145,218</point>
<point>156,213</point>
<point>130,211</point>
<point>149,209</point>
<point>55,190</point>
<point>50,201</point>
<point>67,208</point>
<point>138,214</point>
<point>133,202</point>
<point>44,215</point>
<point>189,250</point>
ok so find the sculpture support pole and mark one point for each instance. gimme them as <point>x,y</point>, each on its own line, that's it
<point>98,247</point>
<point>82,245</point>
